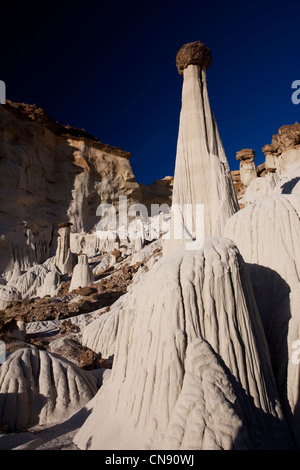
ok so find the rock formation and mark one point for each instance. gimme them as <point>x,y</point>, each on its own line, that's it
<point>288,138</point>
<point>279,174</point>
<point>37,387</point>
<point>202,174</point>
<point>39,280</point>
<point>203,340</point>
<point>191,367</point>
<point>247,166</point>
<point>159,192</point>
<point>267,234</point>
<point>100,335</point>
<point>191,362</point>
<point>49,171</point>
<point>292,390</point>
<point>8,294</point>
<point>83,274</point>
<point>64,259</point>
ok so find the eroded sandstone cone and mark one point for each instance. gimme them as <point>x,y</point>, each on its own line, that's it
<point>267,234</point>
<point>191,366</point>
<point>195,53</point>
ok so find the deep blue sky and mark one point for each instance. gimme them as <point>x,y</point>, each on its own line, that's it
<point>109,67</point>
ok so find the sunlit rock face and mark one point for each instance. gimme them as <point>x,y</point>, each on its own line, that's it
<point>191,367</point>
<point>191,362</point>
<point>202,342</point>
<point>202,174</point>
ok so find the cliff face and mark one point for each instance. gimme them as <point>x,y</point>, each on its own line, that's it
<point>159,192</point>
<point>49,174</point>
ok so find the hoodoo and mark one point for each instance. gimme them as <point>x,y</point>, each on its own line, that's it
<point>202,175</point>
<point>247,165</point>
<point>64,259</point>
<point>191,363</point>
<point>82,274</point>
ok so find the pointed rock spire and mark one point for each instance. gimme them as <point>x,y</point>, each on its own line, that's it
<point>202,174</point>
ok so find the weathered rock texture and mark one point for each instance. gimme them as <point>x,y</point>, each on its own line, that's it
<point>50,173</point>
<point>100,335</point>
<point>279,174</point>
<point>293,376</point>
<point>202,174</point>
<point>8,294</point>
<point>288,137</point>
<point>193,53</point>
<point>247,166</point>
<point>159,192</point>
<point>64,259</point>
<point>191,367</point>
<point>267,234</point>
<point>37,387</point>
<point>83,274</point>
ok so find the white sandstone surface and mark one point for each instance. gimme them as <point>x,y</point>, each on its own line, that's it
<point>37,387</point>
<point>82,274</point>
<point>204,344</point>
<point>267,234</point>
<point>285,179</point>
<point>202,174</point>
<point>191,362</point>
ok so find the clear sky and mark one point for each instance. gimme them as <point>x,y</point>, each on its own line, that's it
<point>109,67</point>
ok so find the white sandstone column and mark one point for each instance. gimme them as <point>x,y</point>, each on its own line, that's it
<point>64,259</point>
<point>82,274</point>
<point>247,166</point>
<point>202,174</point>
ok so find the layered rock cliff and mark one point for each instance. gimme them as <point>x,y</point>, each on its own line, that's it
<point>50,174</point>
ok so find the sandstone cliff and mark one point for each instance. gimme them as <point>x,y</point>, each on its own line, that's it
<point>50,174</point>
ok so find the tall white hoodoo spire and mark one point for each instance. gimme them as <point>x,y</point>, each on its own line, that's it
<point>202,174</point>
